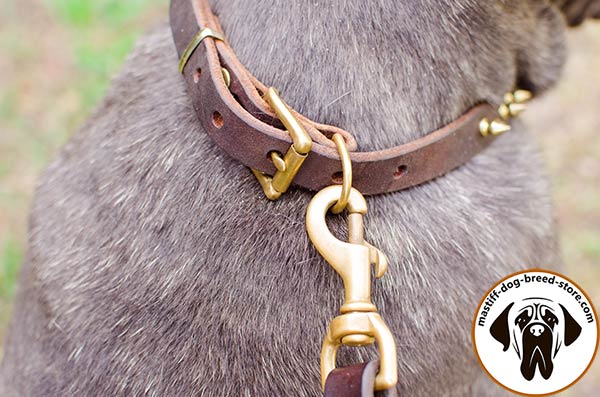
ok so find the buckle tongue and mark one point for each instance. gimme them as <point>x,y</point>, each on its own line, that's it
<point>288,165</point>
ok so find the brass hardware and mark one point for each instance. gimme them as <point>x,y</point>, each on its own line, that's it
<point>511,110</point>
<point>359,324</point>
<point>203,34</point>
<point>516,109</point>
<point>508,98</point>
<point>522,96</point>
<point>514,104</point>
<point>503,111</point>
<point>371,325</point>
<point>340,143</point>
<point>288,166</point>
<point>353,259</point>
<point>278,162</point>
<point>226,77</point>
<point>494,127</point>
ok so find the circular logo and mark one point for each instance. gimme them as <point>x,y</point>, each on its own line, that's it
<point>535,332</point>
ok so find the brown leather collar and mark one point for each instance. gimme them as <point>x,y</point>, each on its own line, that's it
<point>240,121</point>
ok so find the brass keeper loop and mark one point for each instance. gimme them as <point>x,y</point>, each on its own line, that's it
<point>342,203</point>
<point>199,38</point>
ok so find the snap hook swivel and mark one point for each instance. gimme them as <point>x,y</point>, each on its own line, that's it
<point>359,324</point>
<point>352,259</point>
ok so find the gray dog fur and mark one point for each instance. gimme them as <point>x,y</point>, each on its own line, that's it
<point>157,267</point>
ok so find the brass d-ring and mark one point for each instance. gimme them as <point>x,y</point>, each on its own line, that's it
<point>346,173</point>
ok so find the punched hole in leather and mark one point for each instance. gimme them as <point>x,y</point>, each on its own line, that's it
<point>355,381</point>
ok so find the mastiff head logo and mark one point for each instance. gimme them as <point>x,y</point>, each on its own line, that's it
<point>536,328</point>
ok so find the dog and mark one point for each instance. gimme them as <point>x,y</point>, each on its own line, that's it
<point>538,328</point>
<point>156,267</point>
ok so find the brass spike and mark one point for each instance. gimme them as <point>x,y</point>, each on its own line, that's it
<point>508,98</point>
<point>515,109</point>
<point>522,96</point>
<point>504,111</point>
<point>495,127</point>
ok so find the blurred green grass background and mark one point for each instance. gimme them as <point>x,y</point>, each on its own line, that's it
<point>56,61</point>
<point>57,58</point>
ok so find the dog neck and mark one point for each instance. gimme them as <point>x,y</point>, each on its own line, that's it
<point>387,71</point>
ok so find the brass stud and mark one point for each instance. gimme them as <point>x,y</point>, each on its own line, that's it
<point>226,77</point>
<point>495,127</point>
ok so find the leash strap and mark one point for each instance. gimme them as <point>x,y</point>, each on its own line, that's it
<point>230,105</point>
<point>355,381</point>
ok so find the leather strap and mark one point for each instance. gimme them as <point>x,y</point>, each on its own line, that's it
<point>244,126</point>
<point>355,381</point>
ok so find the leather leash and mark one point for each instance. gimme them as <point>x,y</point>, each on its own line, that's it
<point>230,105</point>
<point>355,381</point>
<point>252,124</point>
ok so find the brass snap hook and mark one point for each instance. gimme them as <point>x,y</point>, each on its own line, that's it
<point>353,259</point>
<point>359,324</point>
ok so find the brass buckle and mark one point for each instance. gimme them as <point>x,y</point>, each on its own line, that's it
<point>288,165</point>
